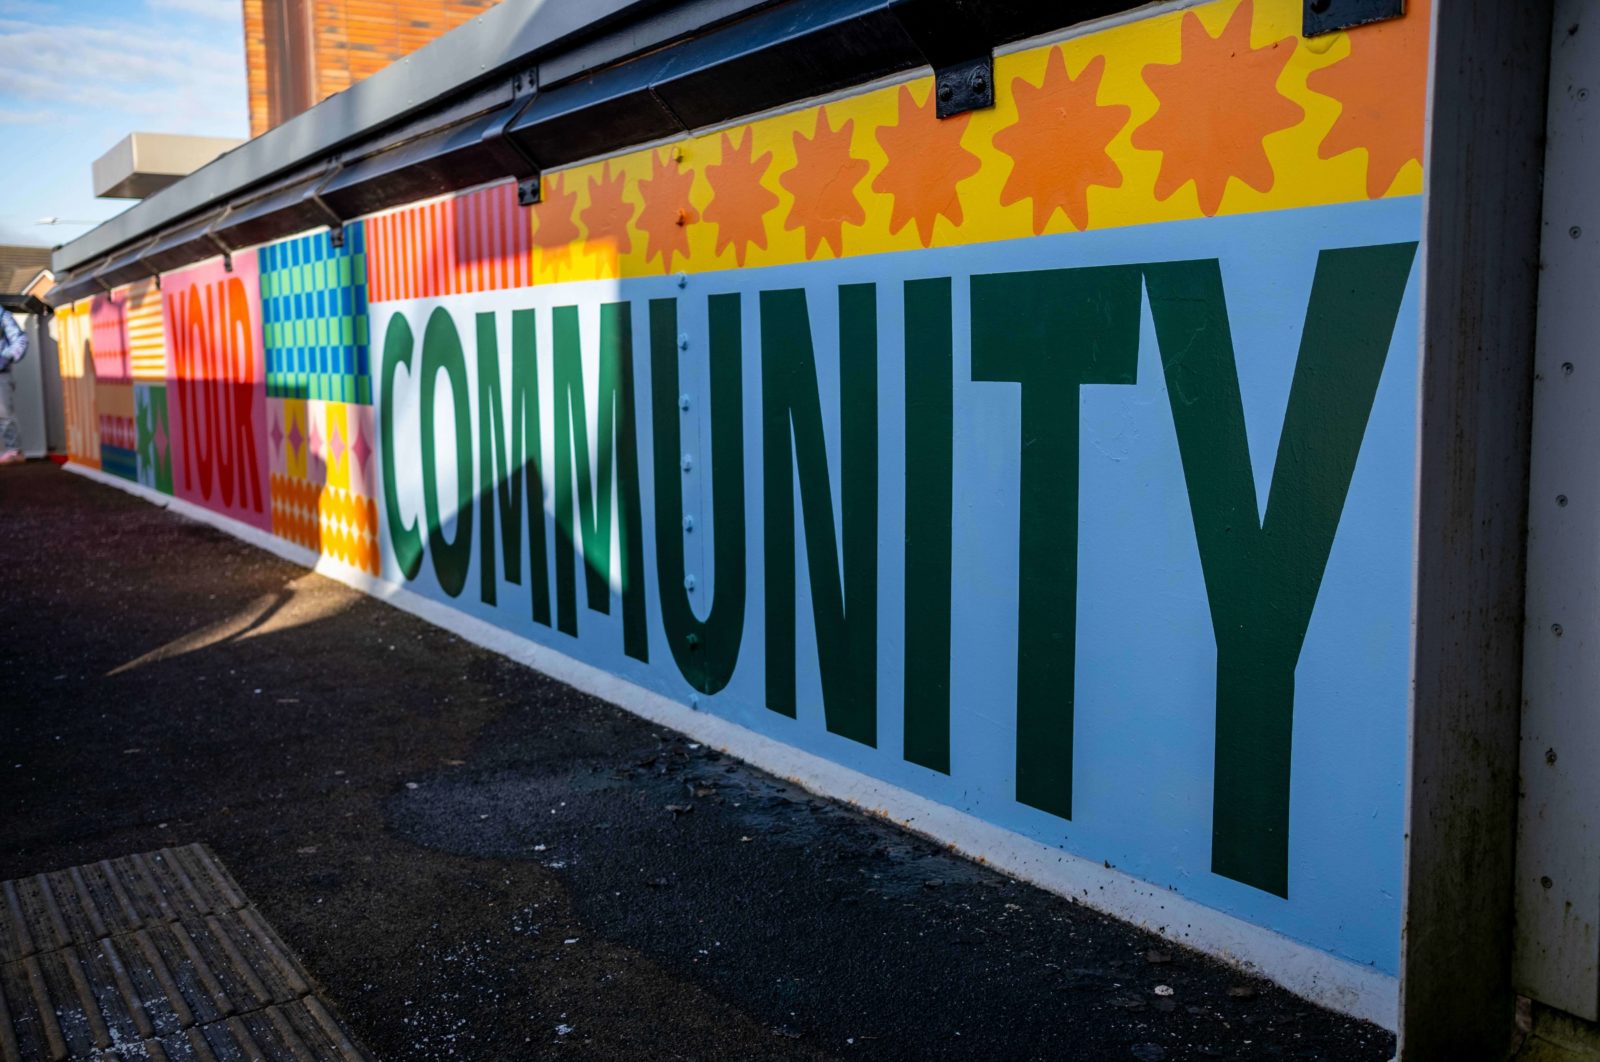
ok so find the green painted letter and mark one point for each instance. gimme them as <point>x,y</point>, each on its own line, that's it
<point>509,462</point>
<point>441,352</point>
<point>405,538</point>
<point>845,610</point>
<point>929,448</point>
<point>617,459</point>
<point>706,650</point>
<point>1052,331</point>
<point>1262,575</point>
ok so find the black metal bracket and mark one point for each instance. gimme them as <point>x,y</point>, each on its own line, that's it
<point>314,196</point>
<point>524,90</point>
<point>1331,16</point>
<point>151,242</point>
<point>957,39</point>
<point>216,241</point>
<point>965,86</point>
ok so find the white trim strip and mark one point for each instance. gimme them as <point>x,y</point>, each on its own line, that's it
<point>1314,975</point>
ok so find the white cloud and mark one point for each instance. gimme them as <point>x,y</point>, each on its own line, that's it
<point>157,78</point>
<point>77,77</point>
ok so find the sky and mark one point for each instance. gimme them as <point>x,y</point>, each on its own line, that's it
<point>76,76</point>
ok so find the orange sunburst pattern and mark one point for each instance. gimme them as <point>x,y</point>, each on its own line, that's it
<point>610,212</point>
<point>1058,147</point>
<point>1214,110</point>
<point>1377,87</point>
<point>667,212</point>
<point>555,229</point>
<point>740,200</point>
<point>1214,136</point>
<point>823,183</point>
<point>926,163</point>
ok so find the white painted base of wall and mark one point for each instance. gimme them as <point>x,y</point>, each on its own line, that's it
<point>1340,985</point>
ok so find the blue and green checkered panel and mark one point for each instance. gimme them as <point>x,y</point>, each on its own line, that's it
<point>314,314</point>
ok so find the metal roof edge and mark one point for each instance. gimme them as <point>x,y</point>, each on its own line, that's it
<point>549,87</point>
<point>500,40</point>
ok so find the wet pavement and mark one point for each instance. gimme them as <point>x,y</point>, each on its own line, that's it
<point>473,860</point>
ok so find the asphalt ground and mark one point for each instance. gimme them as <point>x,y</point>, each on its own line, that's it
<point>476,861</point>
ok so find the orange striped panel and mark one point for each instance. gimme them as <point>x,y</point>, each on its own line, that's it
<point>147,340</point>
<point>480,241</point>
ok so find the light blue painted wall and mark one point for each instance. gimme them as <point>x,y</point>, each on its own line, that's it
<point>1146,657</point>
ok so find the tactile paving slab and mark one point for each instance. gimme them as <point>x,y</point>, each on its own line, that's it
<point>153,956</point>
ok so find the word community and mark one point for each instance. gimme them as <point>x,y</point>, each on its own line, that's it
<point>1048,332</point>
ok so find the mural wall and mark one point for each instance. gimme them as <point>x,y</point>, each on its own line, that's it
<point>1052,461</point>
<point>74,348</point>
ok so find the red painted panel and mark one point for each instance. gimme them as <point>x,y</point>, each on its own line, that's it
<point>217,376</point>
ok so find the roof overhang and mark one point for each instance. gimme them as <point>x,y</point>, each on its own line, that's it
<point>21,303</point>
<point>529,86</point>
<point>141,164</point>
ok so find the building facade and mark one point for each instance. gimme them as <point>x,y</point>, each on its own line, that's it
<point>299,52</point>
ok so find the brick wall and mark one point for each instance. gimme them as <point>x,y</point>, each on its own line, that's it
<point>348,40</point>
<point>255,61</point>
